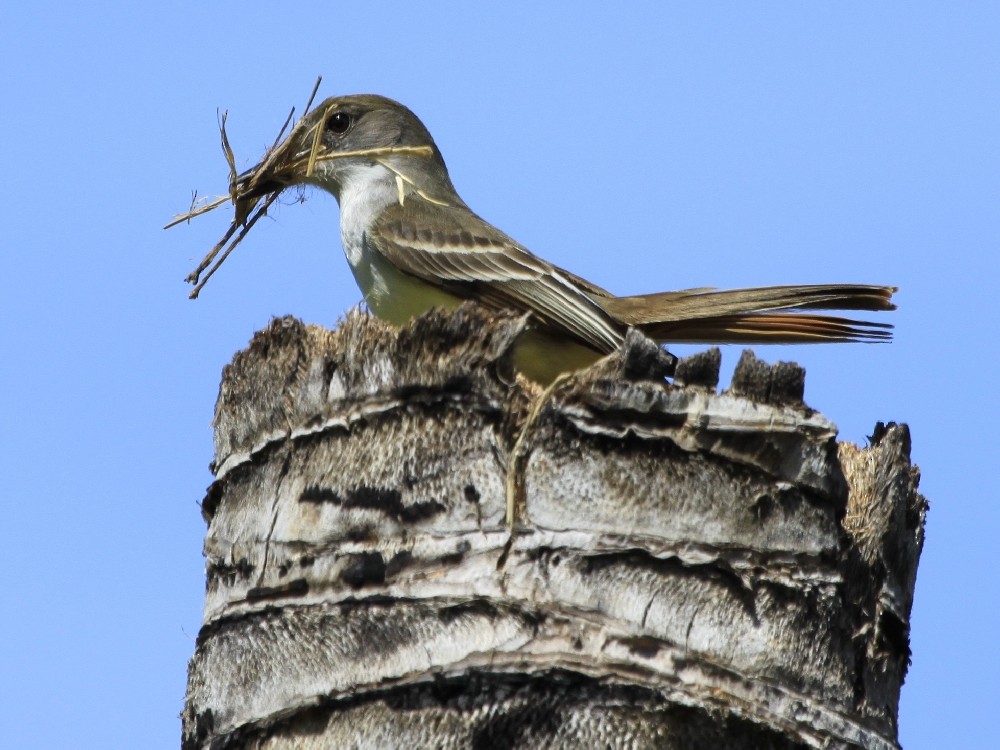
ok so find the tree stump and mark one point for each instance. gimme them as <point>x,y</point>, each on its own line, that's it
<point>692,569</point>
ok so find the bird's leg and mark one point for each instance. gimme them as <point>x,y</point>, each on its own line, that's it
<point>517,463</point>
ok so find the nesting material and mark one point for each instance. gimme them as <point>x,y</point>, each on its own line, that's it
<point>253,192</point>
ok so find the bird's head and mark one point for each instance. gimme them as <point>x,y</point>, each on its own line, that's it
<point>349,138</point>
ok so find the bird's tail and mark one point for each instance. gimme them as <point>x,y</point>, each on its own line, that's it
<point>758,315</point>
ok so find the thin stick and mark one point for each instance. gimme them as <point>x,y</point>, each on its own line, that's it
<point>232,246</point>
<point>192,278</point>
<point>319,80</point>
<point>204,209</point>
<point>228,150</point>
<point>277,139</point>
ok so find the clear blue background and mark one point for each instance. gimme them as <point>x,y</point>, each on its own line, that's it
<point>645,146</point>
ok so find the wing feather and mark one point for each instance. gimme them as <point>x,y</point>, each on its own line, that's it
<point>456,250</point>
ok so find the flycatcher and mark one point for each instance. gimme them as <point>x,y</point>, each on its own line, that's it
<point>413,244</point>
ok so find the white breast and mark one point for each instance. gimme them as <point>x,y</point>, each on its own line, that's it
<point>365,191</point>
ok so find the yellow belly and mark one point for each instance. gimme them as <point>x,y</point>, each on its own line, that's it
<point>544,356</point>
<point>397,297</point>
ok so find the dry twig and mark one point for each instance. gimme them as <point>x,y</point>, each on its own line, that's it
<point>284,163</point>
<point>247,209</point>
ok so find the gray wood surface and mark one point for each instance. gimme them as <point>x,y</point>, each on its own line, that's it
<point>693,569</point>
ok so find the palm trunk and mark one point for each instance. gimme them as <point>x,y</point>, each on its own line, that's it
<point>691,569</point>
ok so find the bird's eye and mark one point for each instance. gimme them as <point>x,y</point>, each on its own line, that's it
<point>338,123</point>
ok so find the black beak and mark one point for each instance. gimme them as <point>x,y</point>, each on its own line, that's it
<point>246,190</point>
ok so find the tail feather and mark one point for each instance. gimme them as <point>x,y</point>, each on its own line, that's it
<point>768,328</point>
<point>700,303</point>
<point>748,315</point>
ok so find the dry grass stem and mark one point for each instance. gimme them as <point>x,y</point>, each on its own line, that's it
<point>197,210</point>
<point>317,138</point>
<point>401,178</point>
<point>228,151</point>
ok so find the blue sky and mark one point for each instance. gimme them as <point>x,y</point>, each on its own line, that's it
<point>645,146</point>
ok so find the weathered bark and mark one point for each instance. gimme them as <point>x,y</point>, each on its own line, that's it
<point>694,570</point>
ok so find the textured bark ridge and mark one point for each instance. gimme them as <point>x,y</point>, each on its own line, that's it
<point>693,570</point>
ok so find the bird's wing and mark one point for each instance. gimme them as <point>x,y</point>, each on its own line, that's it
<point>454,249</point>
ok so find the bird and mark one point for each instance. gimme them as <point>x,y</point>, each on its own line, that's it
<point>413,244</point>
